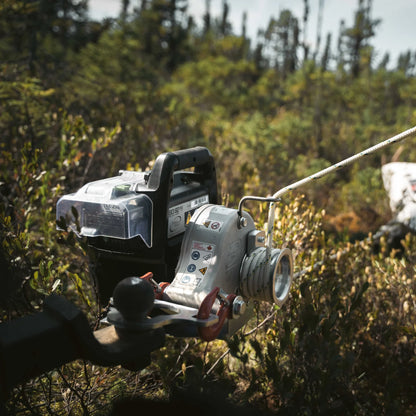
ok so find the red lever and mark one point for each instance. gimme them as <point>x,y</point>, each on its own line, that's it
<point>158,288</point>
<point>211,332</point>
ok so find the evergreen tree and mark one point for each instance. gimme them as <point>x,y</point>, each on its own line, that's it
<point>384,61</point>
<point>244,25</point>
<point>161,26</point>
<point>357,37</point>
<point>124,10</point>
<point>327,53</point>
<point>340,47</point>
<point>406,62</point>
<point>282,41</point>
<point>42,33</point>
<point>224,24</point>
<point>305,24</point>
<point>207,17</point>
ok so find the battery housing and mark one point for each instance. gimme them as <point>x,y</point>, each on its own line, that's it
<point>134,222</point>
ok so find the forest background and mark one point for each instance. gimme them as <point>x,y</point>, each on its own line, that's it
<point>81,99</point>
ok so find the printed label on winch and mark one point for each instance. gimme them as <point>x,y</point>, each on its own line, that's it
<point>212,225</point>
<point>180,215</point>
<point>200,258</point>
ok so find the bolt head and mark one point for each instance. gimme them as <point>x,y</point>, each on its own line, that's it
<point>239,307</point>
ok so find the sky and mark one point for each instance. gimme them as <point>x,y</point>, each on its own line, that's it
<point>395,34</point>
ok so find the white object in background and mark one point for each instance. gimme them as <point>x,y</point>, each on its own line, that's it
<point>399,180</point>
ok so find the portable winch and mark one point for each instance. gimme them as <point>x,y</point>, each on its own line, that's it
<point>206,264</point>
<point>170,258</point>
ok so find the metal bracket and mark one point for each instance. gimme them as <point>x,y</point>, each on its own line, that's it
<point>37,343</point>
<point>171,313</point>
<point>241,219</point>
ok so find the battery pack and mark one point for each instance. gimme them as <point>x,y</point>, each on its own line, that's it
<point>134,222</point>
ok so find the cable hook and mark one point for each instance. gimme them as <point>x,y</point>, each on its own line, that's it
<point>225,311</point>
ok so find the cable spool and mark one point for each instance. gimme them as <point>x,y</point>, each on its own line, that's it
<point>267,279</point>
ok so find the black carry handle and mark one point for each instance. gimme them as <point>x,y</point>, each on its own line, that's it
<point>193,157</point>
<point>198,157</point>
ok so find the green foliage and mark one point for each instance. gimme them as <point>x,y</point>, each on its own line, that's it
<point>325,351</point>
<point>82,99</point>
<point>365,187</point>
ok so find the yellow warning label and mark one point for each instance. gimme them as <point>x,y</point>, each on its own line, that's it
<point>188,218</point>
<point>203,270</point>
<point>207,223</point>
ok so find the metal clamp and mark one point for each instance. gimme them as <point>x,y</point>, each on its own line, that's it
<point>158,288</point>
